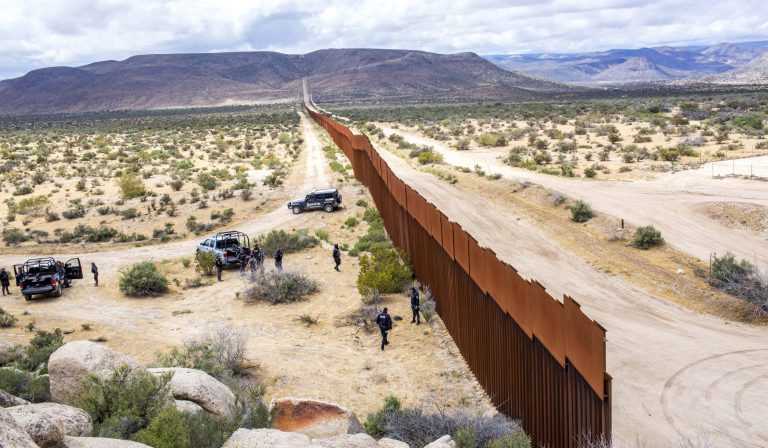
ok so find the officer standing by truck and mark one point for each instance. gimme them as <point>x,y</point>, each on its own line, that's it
<point>279,260</point>
<point>5,281</point>
<point>219,267</point>
<point>384,321</point>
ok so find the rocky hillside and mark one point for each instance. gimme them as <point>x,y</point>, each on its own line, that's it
<point>213,79</point>
<point>756,72</point>
<point>636,66</point>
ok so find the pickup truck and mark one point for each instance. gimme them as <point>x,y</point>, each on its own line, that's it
<point>227,247</point>
<point>328,200</point>
<point>38,276</point>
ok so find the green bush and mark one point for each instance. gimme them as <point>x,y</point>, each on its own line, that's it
<point>280,287</point>
<point>220,353</point>
<point>383,271</point>
<point>124,403</point>
<point>647,237</point>
<point>375,424</point>
<point>289,242</point>
<point>351,222</point>
<point>205,262</point>
<point>36,354</point>
<point>131,186</point>
<point>168,429</point>
<point>207,182</point>
<point>26,385</point>
<point>740,278</point>
<point>515,440</point>
<point>428,157</point>
<point>7,320</point>
<point>491,139</point>
<point>581,212</point>
<point>13,236</point>
<point>142,279</point>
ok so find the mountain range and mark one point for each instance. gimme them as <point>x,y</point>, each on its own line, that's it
<point>215,79</point>
<point>723,63</point>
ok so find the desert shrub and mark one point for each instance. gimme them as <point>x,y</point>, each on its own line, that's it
<point>740,278</point>
<point>280,287</point>
<point>428,306</point>
<point>142,279</point>
<point>647,237</point>
<point>26,385</point>
<point>207,182</point>
<point>428,157</point>
<point>491,139</point>
<point>288,241</point>
<point>124,403</point>
<point>351,222</point>
<point>322,234</point>
<point>33,205</point>
<point>384,271</point>
<point>35,355</point>
<point>131,186</point>
<point>417,428</point>
<point>220,353</point>
<point>13,236</point>
<point>7,320</point>
<point>205,262</point>
<point>581,212</point>
<point>167,430</point>
<point>590,172</point>
<point>515,440</point>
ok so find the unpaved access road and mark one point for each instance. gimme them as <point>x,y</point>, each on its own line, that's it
<point>677,374</point>
<point>669,202</point>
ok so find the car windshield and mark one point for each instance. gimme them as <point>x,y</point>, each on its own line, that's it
<point>43,267</point>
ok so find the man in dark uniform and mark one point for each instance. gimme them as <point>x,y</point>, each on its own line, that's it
<point>384,321</point>
<point>337,257</point>
<point>95,272</point>
<point>219,267</point>
<point>415,306</point>
<point>5,281</point>
<point>279,260</point>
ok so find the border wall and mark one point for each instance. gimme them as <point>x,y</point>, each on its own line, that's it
<point>539,359</point>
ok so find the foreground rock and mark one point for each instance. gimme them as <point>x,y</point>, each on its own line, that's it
<point>316,419</point>
<point>347,441</point>
<point>442,442</point>
<point>12,434</point>
<point>8,352</point>
<point>200,388</point>
<point>188,407</point>
<point>74,361</point>
<point>7,400</point>
<point>392,443</point>
<point>48,423</point>
<point>100,442</point>
<point>266,438</point>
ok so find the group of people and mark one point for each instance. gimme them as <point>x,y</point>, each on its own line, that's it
<point>384,320</point>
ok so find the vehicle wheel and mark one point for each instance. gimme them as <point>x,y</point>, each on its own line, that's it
<point>27,297</point>
<point>296,210</point>
<point>328,208</point>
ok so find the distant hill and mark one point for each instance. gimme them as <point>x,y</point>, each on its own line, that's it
<point>755,72</point>
<point>635,66</point>
<point>214,79</point>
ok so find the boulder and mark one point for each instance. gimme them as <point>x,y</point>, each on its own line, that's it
<point>200,388</point>
<point>7,400</point>
<point>74,361</point>
<point>188,407</point>
<point>442,442</point>
<point>100,442</point>
<point>12,434</point>
<point>70,421</point>
<point>392,443</point>
<point>8,352</point>
<point>266,438</point>
<point>42,428</point>
<point>346,441</point>
<point>316,419</point>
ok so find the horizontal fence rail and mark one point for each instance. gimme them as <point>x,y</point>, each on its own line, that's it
<point>539,359</point>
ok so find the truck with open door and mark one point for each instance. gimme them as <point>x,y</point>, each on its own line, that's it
<point>43,276</point>
<point>228,247</point>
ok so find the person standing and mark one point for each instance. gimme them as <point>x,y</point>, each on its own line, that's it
<point>259,260</point>
<point>337,257</point>
<point>415,306</point>
<point>384,321</point>
<point>5,281</point>
<point>219,267</point>
<point>95,272</point>
<point>279,260</point>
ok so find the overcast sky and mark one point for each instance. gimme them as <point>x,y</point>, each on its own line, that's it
<point>39,33</point>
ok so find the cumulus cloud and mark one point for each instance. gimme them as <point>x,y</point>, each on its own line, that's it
<point>41,33</point>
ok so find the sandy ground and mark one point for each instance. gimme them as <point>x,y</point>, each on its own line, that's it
<point>677,374</point>
<point>668,202</point>
<point>329,361</point>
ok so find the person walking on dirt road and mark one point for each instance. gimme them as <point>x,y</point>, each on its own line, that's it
<point>5,281</point>
<point>415,306</point>
<point>384,321</point>
<point>337,257</point>
<point>279,260</point>
<point>219,267</point>
<point>95,272</point>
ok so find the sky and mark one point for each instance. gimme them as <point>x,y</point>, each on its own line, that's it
<point>44,33</point>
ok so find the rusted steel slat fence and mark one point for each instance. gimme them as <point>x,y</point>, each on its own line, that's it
<point>539,359</point>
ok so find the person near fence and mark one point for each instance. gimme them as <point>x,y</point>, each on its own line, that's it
<point>5,281</point>
<point>415,306</point>
<point>337,257</point>
<point>95,272</point>
<point>384,321</point>
<point>279,260</point>
<point>219,268</point>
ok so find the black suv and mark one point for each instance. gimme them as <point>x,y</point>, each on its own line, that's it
<point>46,276</point>
<point>328,200</point>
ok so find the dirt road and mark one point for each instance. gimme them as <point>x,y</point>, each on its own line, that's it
<point>669,202</point>
<point>676,373</point>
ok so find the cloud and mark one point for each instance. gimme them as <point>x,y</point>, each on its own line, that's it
<point>41,33</point>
